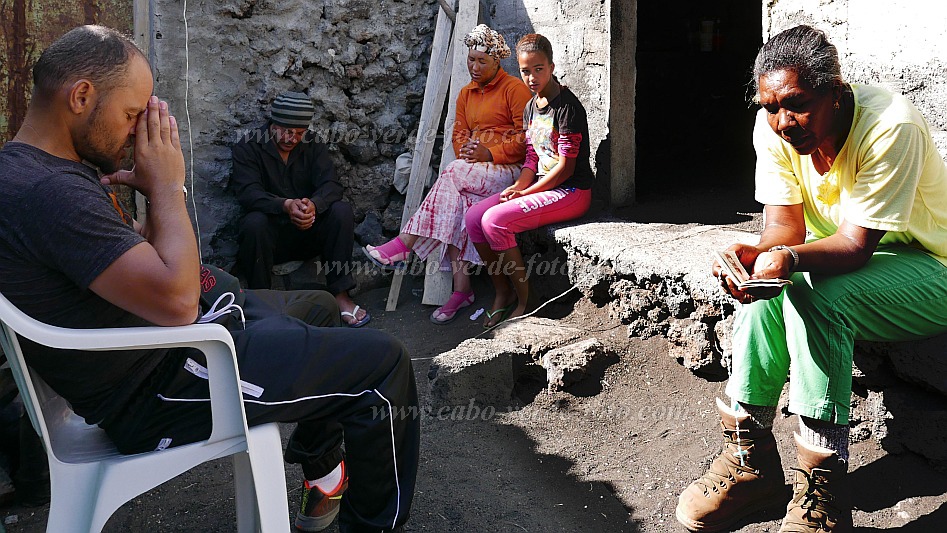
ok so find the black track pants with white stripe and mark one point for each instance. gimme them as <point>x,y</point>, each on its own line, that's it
<point>331,381</point>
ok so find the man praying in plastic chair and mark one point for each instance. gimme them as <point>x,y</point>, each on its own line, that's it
<point>71,257</point>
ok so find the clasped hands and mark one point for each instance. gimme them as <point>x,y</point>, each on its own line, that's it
<point>474,152</point>
<point>762,265</point>
<point>510,193</point>
<point>159,161</point>
<point>301,211</point>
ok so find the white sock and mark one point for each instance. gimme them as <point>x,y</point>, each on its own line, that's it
<point>761,416</point>
<point>831,437</point>
<point>330,482</point>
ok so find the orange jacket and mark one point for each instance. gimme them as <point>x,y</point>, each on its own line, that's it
<point>494,115</point>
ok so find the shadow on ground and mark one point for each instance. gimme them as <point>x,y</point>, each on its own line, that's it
<point>556,462</point>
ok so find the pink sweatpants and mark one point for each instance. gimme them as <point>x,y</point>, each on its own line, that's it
<point>497,223</point>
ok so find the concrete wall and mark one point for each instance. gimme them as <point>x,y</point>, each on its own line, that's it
<point>364,63</point>
<point>580,32</point>
<point>898,44</point>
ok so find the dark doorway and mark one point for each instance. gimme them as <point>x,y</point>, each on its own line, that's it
<point>693,124</point>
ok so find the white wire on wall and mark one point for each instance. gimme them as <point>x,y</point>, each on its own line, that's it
<point>190,137</point>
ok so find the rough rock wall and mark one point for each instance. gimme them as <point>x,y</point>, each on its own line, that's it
<point>898,44</point>
<point>364,63</point>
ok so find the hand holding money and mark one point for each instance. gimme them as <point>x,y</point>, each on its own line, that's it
<point>738,282</point>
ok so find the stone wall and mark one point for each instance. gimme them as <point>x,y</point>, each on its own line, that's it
<point>363,63</point>
<point>898,44</point>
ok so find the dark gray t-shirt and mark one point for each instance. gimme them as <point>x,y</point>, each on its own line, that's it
<point>58,231</point>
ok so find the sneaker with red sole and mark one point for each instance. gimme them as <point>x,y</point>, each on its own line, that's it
<point>318,508</point>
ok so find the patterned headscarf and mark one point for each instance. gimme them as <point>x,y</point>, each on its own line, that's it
<point>483,39</point>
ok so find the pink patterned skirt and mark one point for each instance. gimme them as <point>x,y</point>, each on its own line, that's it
<point>440,217</point>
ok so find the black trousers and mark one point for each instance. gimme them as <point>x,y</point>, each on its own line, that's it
<point>269,239</point>
<point>337,384</point>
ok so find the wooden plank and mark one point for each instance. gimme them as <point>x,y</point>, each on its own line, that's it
<point>438,284</point>
<point>449,10</point>
<point>435,92</point>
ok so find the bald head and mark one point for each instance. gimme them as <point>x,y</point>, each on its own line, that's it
<point>95,53</point>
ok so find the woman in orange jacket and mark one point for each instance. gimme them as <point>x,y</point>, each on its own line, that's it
<point>490,146</point>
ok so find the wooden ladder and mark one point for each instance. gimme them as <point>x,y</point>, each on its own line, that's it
<point>447,70</point>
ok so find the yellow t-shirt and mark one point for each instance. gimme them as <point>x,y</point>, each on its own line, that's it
<point>888,175</point>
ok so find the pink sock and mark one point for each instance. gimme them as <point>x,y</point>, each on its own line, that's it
<point>393,247</point>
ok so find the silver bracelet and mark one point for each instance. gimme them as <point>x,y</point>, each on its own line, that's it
<point>795,256</point>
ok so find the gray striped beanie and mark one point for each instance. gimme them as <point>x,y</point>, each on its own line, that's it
<point>292,110</point>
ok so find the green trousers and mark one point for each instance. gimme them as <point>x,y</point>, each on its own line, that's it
<point>808,332</point>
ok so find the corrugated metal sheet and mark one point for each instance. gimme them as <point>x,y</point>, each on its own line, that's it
<point>28,27</point>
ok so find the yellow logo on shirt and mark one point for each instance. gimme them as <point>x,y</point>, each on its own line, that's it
<point>828,191</point>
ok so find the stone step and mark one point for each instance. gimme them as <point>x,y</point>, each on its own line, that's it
<point>656,279</point>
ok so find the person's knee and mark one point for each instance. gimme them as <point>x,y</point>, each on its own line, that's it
<point>254,224</point>
<point>392,352</point>
<point>342,215</point>
<point>455,171</point>
<point>497,235</point>
<point>317,308</point>
<point>814,304</point>
<point>473,221</point>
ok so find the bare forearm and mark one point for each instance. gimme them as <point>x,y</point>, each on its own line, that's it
<point>783,224</point>
<point>169,231</point>
<point>158,279</point>
<point>560,173</point>
<point>525,179</point>
<point>836,254</point>
<point>848,249</point>
<point>776,233</point>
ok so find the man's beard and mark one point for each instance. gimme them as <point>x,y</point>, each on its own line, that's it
<point>96,146</point>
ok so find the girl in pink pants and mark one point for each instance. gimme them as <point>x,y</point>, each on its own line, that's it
<point>554,185</point>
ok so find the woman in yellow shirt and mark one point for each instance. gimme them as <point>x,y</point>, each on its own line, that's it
<point>855,168</point>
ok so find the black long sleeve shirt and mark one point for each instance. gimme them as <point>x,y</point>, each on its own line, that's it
<point>263,182</point>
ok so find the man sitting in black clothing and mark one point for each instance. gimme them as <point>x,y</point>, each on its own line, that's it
<point>70,257</point>
<point>288,186</point>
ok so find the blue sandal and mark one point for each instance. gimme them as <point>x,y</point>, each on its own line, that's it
<point>358,323</point>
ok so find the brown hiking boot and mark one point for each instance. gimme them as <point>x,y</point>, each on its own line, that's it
<point>732,489</point>
<point>814,507</point>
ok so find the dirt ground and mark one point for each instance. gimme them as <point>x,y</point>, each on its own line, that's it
<point>610,455</point>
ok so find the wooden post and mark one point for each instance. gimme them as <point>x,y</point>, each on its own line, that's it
<point>438,284</point>
<point>435,91</point>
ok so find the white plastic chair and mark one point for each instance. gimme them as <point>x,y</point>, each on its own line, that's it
<point>90,479</point>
